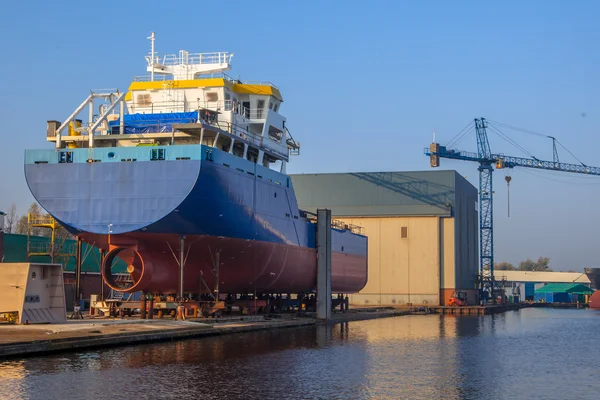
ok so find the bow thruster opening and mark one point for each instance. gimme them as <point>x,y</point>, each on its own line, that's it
<point>123,269</point>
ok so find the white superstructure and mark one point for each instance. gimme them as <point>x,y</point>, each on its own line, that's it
<point>245,113</point>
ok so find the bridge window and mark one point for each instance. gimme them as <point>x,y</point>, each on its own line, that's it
<point>260,106</point>
<point>65,157</point>
<point>157,154</point>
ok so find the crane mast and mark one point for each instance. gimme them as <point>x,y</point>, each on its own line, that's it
<point>486,205</point>
<point>487,162</point>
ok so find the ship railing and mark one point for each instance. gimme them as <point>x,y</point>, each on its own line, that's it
<point>185,58</point>
<point>335,223</point>
<point>153,126</point>
<point>47,248</point>
<point>238,108</point>
<point>40,219</point>
<point>160,106</point>
<point>157,77</point>
<point>169,77</point>
<point>342,226</point>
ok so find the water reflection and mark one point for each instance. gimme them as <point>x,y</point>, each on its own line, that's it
<point>407,357</point>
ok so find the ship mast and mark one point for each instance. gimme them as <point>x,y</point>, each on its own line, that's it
<point>151,37</point>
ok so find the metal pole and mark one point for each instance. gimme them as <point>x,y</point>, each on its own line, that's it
<point>91,113</point>
<point>78,270</point>
<point>102,256</point>
<point>121,116</point>
<point>152,59</point>
<point>217,262</point>
<point>181,265</point>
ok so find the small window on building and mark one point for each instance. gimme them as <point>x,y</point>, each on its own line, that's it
<point>270,105</point>
<point>275,107</point>
<point>143,100</point>
<point>404,232</point>
<point>212,96</point>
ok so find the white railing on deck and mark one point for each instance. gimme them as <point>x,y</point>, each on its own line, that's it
<point>186,58</point>
<point>160,106</point>
<point>168,77</point>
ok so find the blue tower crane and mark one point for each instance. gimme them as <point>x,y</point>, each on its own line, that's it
<point>487,161</point>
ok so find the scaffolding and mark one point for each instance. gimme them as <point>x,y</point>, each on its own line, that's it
<point>57,248</point>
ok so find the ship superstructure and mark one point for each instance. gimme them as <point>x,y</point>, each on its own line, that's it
<point>188,167</point>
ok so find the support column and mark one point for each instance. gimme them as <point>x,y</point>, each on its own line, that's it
<point>217,263</point>
<point>151,307</point>
<point>180,308</point>
<point>78,270</point>
<point>324,264</point>
<point>76,307</point>
<point>181,265</point>
<point>144,306</point>
<point>102,284</point>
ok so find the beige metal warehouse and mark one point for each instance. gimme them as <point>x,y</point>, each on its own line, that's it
<point>422,229</point>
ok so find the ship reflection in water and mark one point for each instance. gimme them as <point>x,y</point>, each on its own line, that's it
<point>534,353</point>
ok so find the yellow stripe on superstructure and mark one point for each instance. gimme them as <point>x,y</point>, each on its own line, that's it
<point>242,88</point>
<point>257,89</point>
<point>183,84</point>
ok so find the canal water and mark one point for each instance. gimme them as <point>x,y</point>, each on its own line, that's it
<point>527,354</point>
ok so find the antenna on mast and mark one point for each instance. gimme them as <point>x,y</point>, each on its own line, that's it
<point>151,37</point>
<point>433,136</point>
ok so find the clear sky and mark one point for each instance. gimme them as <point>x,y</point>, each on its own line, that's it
<point>364,83</point>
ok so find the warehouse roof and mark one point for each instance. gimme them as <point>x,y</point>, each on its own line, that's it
<point>416,193</point>
<point>541,277</point>
<point>576,288</point>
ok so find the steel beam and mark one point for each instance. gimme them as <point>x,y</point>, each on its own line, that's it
<point>324,264</point>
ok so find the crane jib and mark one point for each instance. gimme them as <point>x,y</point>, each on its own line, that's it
<point>487,161</point>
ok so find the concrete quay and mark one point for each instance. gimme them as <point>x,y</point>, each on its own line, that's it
<point>27,340</point>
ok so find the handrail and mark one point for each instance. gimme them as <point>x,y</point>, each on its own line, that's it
<point>169,77</point>
<point>185,58</point>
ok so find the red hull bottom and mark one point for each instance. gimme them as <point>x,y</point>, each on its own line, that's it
<point>245,266</point>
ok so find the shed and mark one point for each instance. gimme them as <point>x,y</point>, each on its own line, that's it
<point>32,293</point>
<point>421,225</point>
<point>562,293</point>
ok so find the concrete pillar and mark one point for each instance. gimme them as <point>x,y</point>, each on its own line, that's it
<point>324,264</point>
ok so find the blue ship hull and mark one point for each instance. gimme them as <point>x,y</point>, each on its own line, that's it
<point>127,197</point>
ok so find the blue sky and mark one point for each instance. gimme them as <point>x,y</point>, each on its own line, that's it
<point>365,84</point>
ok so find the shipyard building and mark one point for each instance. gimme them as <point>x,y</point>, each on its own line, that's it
<point>421,227</point>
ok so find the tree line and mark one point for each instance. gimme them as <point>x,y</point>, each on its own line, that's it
<point>15,223</point>
<point>542,264</point>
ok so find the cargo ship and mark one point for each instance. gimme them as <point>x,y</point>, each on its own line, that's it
<point>188,168</point>
<point>594,276</point>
